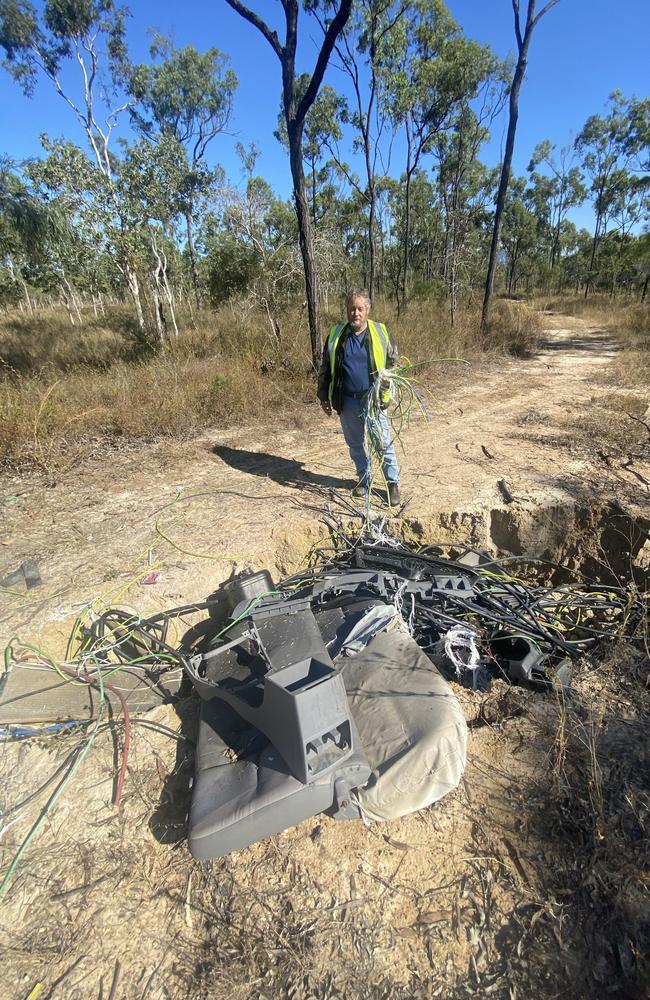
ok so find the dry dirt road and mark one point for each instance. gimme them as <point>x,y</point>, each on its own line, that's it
<point>475,897</point>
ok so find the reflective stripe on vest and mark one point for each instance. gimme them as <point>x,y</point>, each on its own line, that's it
<point>379,341</point>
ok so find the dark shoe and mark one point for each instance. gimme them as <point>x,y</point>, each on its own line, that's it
<point>360,490</point>
<point>393,494</point>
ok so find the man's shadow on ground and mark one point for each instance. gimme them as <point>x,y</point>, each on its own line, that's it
<point>284,471</point>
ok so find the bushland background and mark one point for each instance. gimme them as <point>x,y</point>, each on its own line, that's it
<point>143,292</point>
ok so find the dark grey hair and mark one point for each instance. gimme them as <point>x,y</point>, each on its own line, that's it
<point>357,293</point>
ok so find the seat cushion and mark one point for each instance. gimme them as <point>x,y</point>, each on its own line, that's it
<point>410,726</point>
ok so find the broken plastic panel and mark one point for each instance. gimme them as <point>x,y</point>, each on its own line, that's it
<point>386,584</point>
<point>279,676</point>
<point>519,657</point>
<point>415,566</point>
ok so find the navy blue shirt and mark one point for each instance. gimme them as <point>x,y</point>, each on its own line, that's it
<point>356,377</point>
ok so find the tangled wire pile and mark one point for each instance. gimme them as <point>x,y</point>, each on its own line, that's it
<point>495,624</point>
<point>499,620</point>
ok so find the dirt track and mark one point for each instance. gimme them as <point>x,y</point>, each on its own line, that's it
<point>454,901</point>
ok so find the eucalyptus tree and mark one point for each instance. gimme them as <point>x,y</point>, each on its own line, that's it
<point>40,246</point>
<point>90,34</point>
<point>295,110</point>
<point>555,192</point>
<point>350,226</point>
<point>519,235</point>
<point>576,249</point>
<point>465,186</point>
<point>150,185</point>
<point>630,208</point>
<point>322,131</point>
<point>262,232</point>
<point>23,230</point>
<point>440,74</point>
<point>631,203</point>
<point>426,233</point>
<point>85,198</point>
<point>643,262</point>
<point>639,136</point>
<point>385,225</point>
<point>464,183</point>
<point>616,264</point>
<point>62,265</point>
<point>70,29</point>
<point>538,197</point>
<point>523,43</point>
<point>369,51</point>
<point>23,216</point>
<point>187,96</point>
<point>265,232</point>
<point>612,146</point>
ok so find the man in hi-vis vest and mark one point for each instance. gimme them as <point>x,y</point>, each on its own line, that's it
<point>354,353</point>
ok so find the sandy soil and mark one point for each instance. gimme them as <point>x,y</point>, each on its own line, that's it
<point>465,899</point>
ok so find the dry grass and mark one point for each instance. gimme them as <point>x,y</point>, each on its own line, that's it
<point>598,801</point>
<point>632,368</point>
<point>29,344</point>
<point>44,420</point>
<point>67,387</point>
<point>61,394</point>
<point>618,422</point>
<point>515,328</point>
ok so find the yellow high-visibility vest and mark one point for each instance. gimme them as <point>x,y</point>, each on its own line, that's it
<point>379,344</point>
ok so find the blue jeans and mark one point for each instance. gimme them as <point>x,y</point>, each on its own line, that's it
<point>353,418</point>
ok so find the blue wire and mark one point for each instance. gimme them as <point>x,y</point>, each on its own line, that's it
<point>24,731</point>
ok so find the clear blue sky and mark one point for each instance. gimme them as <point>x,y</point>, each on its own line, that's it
<point>580,52</point>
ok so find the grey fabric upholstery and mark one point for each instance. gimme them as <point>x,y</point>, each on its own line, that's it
<point>410,729</point>
<point>410,725</point>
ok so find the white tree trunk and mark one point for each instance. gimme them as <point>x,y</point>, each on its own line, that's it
<point>134,288</point>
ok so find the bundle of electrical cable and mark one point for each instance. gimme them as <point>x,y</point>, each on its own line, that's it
<point>101,649</point>
<point>561,622</point>
<point>394,396</point>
